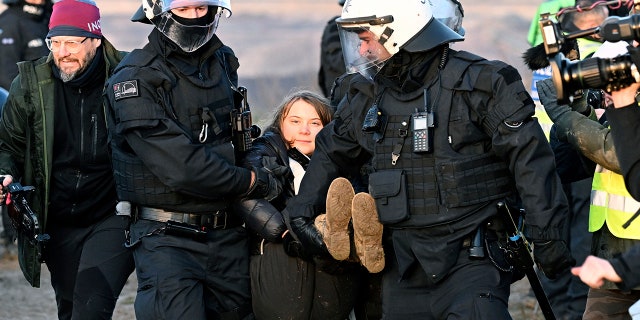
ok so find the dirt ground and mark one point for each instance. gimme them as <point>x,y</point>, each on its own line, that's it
<point>277,42</point>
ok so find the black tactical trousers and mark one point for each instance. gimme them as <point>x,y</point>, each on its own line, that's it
<point>89,266</point>
<point>182,278</point>
<point>473,290</point>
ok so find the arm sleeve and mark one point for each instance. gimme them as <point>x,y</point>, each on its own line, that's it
<point>13,132</point>
<point>520,141</point>
<point>626,136</point>
<point>626,266</point>
<point>590,137</point>
<point>571,165</point>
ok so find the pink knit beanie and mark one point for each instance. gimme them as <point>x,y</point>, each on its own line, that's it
<point>75,18</point>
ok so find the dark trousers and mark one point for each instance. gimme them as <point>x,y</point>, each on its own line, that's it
<point>368,305</point>
<point>610,304</point>
<point>285,287</point>
<point>89,266</point>
<point>9,233</point>
<point>181,278</point>
<point>473,289</point>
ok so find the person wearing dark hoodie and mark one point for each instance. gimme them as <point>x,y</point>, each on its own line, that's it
<point>53,136</point>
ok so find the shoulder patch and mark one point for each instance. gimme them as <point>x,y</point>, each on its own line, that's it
<point>510,74</point>
<point>126,89</point>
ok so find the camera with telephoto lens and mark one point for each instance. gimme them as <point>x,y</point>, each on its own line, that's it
<point>592,73</point>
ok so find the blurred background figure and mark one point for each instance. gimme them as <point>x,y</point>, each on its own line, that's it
<point>331,60</point>
<point>23,27</point>
<point>549,6</point>
<point>7,233</point>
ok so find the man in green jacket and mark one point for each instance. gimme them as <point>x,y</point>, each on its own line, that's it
<point>53,137</point>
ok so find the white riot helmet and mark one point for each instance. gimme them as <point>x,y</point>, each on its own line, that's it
<point>188,37</point>
<point>450,13</point>
<point>372,31</point>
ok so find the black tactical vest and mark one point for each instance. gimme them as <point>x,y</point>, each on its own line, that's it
<point>179,98</point>
<point>442,186</point>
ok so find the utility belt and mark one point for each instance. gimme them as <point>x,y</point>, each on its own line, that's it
<point>185,225</point>
<point>190,224</point>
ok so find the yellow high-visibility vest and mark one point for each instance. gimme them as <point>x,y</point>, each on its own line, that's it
<point>612,203</point>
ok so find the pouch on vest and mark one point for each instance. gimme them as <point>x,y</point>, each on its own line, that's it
<point>389,189</point>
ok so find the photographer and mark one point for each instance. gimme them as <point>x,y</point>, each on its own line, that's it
<point>623,118</point>
<point>611,205</point>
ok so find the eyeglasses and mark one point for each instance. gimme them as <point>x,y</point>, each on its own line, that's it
<point>73,46</point>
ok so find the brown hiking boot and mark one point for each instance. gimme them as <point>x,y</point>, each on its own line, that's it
<point>336,235</point>
<point>320,223</point>
<point>367,232</point>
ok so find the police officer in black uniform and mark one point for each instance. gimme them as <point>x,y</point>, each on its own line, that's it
<point>170,104</point>
<point>331,59</point>
<point>23,27</point>
<point>449,135</point>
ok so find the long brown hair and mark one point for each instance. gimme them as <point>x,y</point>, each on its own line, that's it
<point>319,103</point>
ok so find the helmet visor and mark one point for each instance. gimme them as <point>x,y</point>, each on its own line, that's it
<point>363,50</point>
<point>188,37</point>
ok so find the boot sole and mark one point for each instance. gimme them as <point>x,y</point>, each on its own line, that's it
<point>339,198</point>
<point>367,232</point>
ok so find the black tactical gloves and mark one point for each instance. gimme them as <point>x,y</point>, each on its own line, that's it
<point>552,257</point>
<point>269,180</point>
<point>294,248</point>
<point>548,98</point>
<point>310,238</point>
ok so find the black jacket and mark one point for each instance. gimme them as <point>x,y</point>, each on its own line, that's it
<point>22,37</point>
<point>262,217</point>
<point>626,137</point>
<point>171,128</point>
